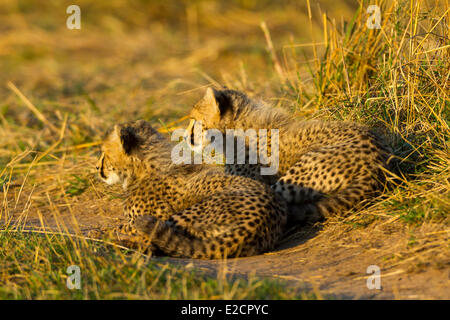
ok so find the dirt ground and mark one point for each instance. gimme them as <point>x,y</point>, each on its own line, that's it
<point>331,259</point>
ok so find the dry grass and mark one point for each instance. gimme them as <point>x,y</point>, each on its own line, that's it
<point>60,89</point>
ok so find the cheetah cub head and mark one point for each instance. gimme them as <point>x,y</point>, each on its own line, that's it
<point>123,151</point>
<point>221,109</point>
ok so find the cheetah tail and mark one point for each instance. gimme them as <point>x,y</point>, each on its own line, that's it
<point>175,242</point>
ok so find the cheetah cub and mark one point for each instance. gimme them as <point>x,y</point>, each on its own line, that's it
<point>325,168</point>
<point>191,211</point>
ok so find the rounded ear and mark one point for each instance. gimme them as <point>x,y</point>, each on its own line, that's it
<point>223,101</point>
<point>218,101</point>
<point>210,100</point>
<point>128,139</point>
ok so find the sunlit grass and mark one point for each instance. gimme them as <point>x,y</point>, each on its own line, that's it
<point>34,266</point>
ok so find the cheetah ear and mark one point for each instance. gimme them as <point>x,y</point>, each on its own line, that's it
<point>210,101</point>
<point>128,138</point>
<point>218,101</point>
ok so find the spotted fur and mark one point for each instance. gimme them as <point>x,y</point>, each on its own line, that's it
<point>325,167</point>
<point>194,211</point>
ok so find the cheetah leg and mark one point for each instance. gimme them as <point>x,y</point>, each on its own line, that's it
<point>327,205</point>
<point>200,229</point>
<point>323,184</point>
